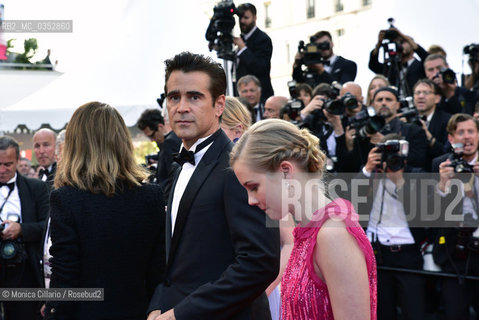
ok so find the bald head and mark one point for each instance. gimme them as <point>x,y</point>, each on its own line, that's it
<point>44,147</point>
<point>273,106</point>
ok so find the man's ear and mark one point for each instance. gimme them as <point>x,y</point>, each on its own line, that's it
<point>220,105</point>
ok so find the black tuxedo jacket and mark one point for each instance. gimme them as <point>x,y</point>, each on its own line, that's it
<point>444,250</point>
<point>50,177</point>
<point>256,60</point>
<point>33,195</point>
<point>222,255</point>
<point>437,127</point>
<point>166,165</point>
<point>414,72</point>
<point>343,70</point>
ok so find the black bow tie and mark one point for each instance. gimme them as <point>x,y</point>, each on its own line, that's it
<point>189,156</point>
<point>10,185</point>
<point>44,172</point>
<point>326,63</point>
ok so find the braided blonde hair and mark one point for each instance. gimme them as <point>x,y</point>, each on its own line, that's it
<point>269,142</point>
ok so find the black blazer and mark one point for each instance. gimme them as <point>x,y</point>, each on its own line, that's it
<point>222,255</point>
<point>437,127</point>
<point>33,195</point>
<point>166,165</point>
<point>256,60</point>
<point>115,243</point>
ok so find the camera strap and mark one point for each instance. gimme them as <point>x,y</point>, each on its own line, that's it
<point>4,202</point>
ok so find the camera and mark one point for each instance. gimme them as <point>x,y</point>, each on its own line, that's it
<point>366,122</point>
<point>461,167</point>
<point>337,106</point>
<point>473,51</point>
<point>294,106</point>
<point>448,75</point>
<point>219,32</point>
<point>312,51</point>
<point>394,154</point>
<point>12,252</point>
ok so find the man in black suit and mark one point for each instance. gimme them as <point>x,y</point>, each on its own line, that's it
<point>254,50</point>
<point>152,123</point>
<point>403,70</point>
<point>24,209</point>
<point>334,68</point>
<point>434,121</point>
<point>220,254</point>
<point>456,248</point>
<point>44,142</point>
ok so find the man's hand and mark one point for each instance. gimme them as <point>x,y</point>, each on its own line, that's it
<point>335,121</point>
<point>168,315</point>
<point>374,160</point>
<point>13,231</point>
<point>350,135</point>
<point>315,104</point>
<point>239,42</point>
<point>446,173</point>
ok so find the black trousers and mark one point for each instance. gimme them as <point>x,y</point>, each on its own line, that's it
<point>400,289</point>
<point>20,276</point>
<point>457,298</point>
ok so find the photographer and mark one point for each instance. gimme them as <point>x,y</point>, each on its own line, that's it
<point>472,80</point>
<point>330,68</point>
<point>23,212</point>
<point>454,99</point>
<point>390,204</point>
<point>401,68</point>
<point>254,50</point>
<point>433,121</point>
<point>273,106</point>
<point>456,248</point>
<point>152,123</point>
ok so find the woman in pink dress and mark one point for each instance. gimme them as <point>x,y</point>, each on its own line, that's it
<point>331,273</point>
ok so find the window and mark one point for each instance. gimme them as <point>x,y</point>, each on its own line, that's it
<point>267,19</point>
<point>366,3</point>
<point>340,32</point>
<point>339,5</point>
<point>310,8</point>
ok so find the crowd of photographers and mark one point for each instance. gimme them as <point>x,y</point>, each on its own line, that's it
<point>416,124</point>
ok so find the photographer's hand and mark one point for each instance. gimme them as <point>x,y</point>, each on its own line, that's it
<point>375,138</point>
<point>407,38</point>
<point>13,231</point>
<point>297,60</point>
<point>446,173</point>
<point>374,160</point>
<point>335,121</point>
<point>239,42</point>
<point>350,135</point>
<point>379,43</point>
<point>315,104</point>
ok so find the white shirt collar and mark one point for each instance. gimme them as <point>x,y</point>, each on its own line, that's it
<point>246,36</point>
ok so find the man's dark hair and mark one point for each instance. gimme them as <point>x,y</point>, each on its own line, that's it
<point>323,33</point>
<point>457,118</point>
<point>190,62</point>
<point>246,7</point>
<point>429,83</point>
<point>323,89</point>
<point>8,142</point>
<point>150,118</point>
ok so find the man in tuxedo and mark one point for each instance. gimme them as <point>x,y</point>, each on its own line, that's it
<point>220,254</point>
<point>433,121</point>
<point>334,68</point>
<point>254,50</point>
<point>152,123</point>
<point>403,70</point>
<point>24,209</point>
<point>456,248</point>
<point>44,141</point>
<point>249,88</point>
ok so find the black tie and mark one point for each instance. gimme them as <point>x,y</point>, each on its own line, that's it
<point>189,156</point>
<point>326,63</point>
<point>10,185</point>
<point>43,172</point>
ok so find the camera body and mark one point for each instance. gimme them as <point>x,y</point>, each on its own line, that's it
<point>312,52</point>
<point>394,154</point>
<point>473,51</point>
<point>220,30</point>
<point>457,161</point>
<point>448,75</point>
<point>366,122</point>
<point>12,252</point>
<point>337,106</point>
<point>294,106</point>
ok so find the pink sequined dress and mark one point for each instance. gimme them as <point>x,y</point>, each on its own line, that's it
<point>304,296</point>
